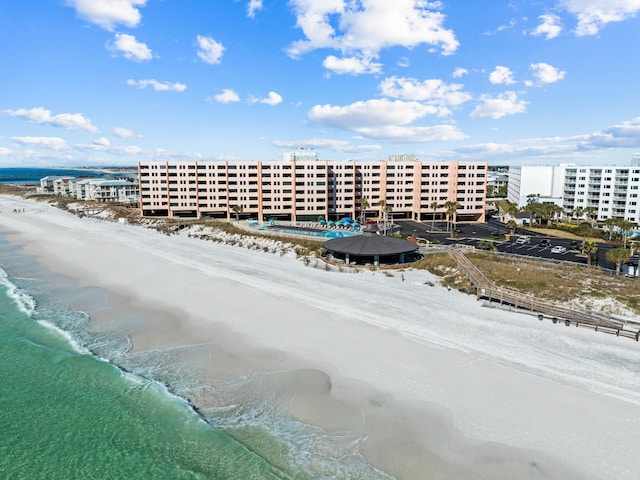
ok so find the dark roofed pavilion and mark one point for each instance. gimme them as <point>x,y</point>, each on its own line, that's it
<point>373,249</point>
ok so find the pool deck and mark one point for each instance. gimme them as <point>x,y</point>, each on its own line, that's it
<point>286,228</point>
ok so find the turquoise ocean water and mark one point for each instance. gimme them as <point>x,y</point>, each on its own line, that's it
<point>33,175</point>
<point>74,404</point>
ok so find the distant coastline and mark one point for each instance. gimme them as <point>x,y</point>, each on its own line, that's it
<point>27,176</point>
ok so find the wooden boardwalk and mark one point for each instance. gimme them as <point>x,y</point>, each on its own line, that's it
<point>557,312</point>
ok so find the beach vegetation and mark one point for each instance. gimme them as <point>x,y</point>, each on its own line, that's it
<point>561,283</point>
<point>486,245</point>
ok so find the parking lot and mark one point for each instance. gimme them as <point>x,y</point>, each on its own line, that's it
<point>537,246</point>
<point>544,247</point>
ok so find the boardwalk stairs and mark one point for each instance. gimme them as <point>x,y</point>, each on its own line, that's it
<point>555,311</point>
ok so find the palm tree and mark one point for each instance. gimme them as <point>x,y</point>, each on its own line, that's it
<point>433,206</point>
<point>578,212</point>
<point>451,210</point>
<point>532,208</point>
<point>584,229</point>
<point>381,203</point>
<point>364,204</point>
<point>618,256</point>
<point>385,209</point>
<point>591,213</point>
<point>510,208</point>
<point>610,223</point>
<point>589,247</point>
<point>512,226</point>
<point>556,212</point>
<point>625,226</point>
<point>237,209</point>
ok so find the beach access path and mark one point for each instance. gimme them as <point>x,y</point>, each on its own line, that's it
<point>427,373</point>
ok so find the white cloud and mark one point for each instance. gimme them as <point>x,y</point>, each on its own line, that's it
<point>501,76</point>
<point>512,23</point>
<point>351,65</point>
<point>5,152</point>
<point>432,91</point>
<point>209,51</point>
<point>130,48</point>
<point>69,121</point>
<point>496,107</point>
<point>383,119</point>
<point>370,113</point>
<point>158,86</point>
<point>400,133</point>
<point>101,146</point>
<point>550,26</point>
<point>551,149</point>
<point>124,132</point>
<point>54,143</point>
<point>623,135</point>
<point>227,96</point>
<point>109,13</point>
<point>272,99</point>
<point>253,7</point>
<point>365,28</point>
<point>460,72</point>
<point>546,73</point>
<point>404,62</point>
<point>593,15</point>
<point>103,141</point>
<point>341,146</point>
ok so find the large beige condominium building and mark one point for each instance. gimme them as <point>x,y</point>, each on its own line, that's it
<point>299,189</point>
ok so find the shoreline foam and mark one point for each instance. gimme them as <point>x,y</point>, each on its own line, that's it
<point>424,367</point>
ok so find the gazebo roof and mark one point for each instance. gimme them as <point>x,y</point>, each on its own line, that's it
<point>370,245</point>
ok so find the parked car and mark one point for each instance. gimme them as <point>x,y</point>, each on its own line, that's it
<point>523,239</point>
<point>545,242</point>
<point>558,249</point>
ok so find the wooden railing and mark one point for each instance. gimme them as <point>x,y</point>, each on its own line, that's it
<point>557,312</point>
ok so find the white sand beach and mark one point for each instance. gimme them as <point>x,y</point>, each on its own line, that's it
<point>434,383</point>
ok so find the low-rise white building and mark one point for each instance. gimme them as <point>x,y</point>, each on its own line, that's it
<point>101,190</point>
<point>46,184</point>
<point>63,186</point>
<point>122,191</point>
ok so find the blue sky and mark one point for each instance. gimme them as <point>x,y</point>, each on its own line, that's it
<point>114,82</point>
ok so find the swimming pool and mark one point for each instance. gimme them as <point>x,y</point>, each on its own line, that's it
<point>309,232</point>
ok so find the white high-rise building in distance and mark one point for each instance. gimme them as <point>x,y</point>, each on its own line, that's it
<point>541,183</point>
<point>609,191</point>
<point>612,191</point>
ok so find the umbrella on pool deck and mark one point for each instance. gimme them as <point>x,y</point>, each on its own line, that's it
<point>347,220</point>
<point>323,221</point>
<point>331,222</point>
